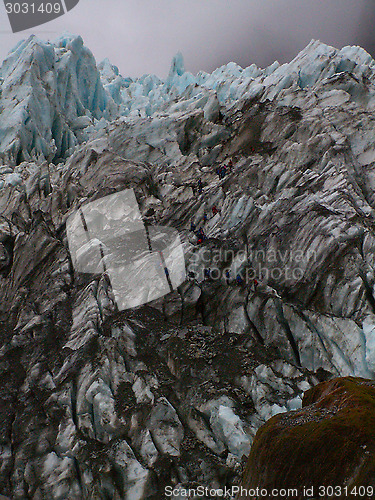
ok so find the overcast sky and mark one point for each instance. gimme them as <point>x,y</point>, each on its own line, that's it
<point>141,36</point>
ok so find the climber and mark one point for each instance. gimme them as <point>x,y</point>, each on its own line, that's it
<point>207,273</point>
<point>219,172</point>
<point>200,232</point>
<point>192,226</point>
<point>200,187</point>
<point>222,172</point>
<point>227,276</point>
<point>215,210</point>
<point>239,279</point>
<point>256,283</point>
<point>205,217</point>
<point>200,235</point>
<point>230,165</point>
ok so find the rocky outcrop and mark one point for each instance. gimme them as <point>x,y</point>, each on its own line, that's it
<point>330,442</point>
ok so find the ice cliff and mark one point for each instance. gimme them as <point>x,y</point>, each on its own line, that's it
<point>49,93</point>
<point>97,403</point>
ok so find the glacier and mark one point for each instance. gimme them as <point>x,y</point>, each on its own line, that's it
<point>102,403</point>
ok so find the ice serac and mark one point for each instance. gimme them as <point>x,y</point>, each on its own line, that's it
<point>316,63</point>
<point>178,79</point>
<point>112,81</point>
<point>49,94</point>
<point>53,95</point>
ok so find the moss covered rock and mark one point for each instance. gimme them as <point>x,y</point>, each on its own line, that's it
<point>330,441</point>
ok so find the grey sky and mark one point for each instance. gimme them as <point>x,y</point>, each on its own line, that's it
<point>141,36</point>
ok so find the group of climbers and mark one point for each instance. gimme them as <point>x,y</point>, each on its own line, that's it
<point>200,235</point>
<point>215,211</point>
<point>222,170</point>
<point>198,187</point>
<point>239,281</point>
<point>200,232</point>
<point>207,275</point>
